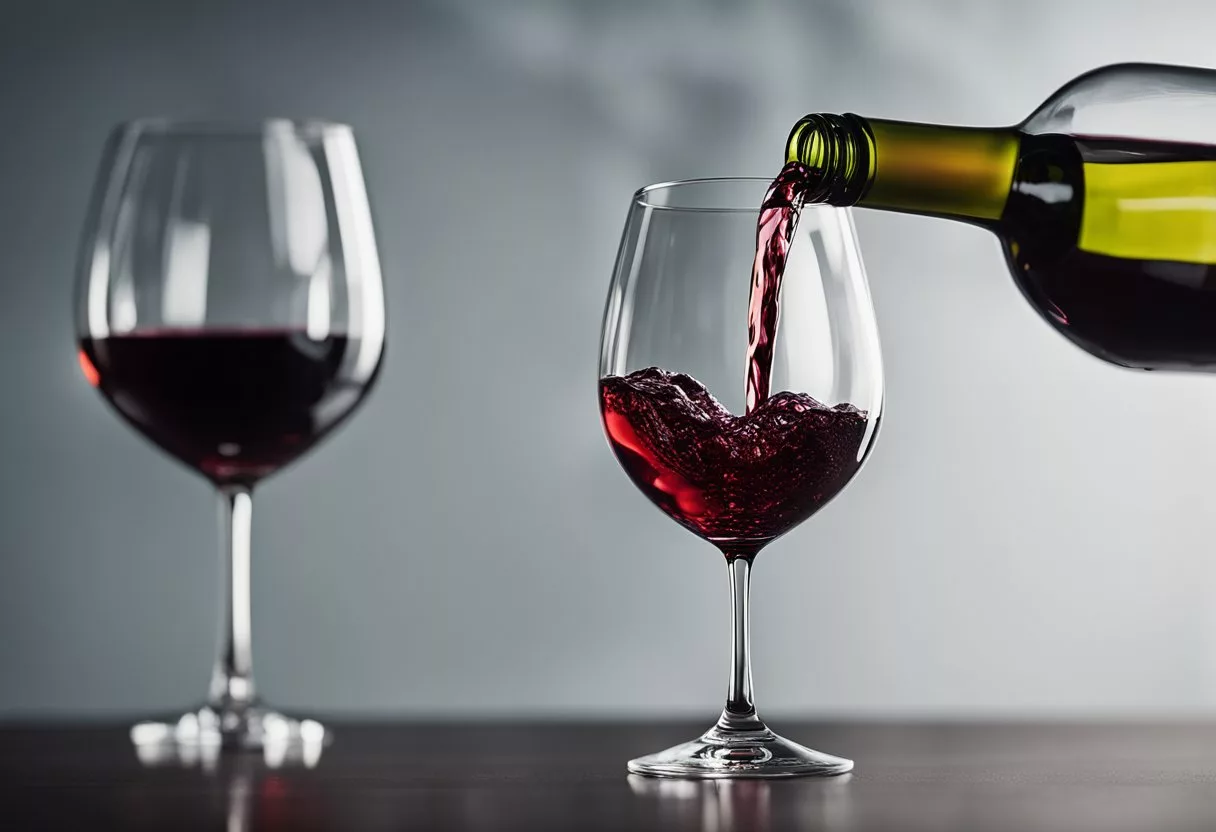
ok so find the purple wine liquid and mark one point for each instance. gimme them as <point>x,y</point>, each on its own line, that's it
<point>774,232</point>
<point>235,405</point>
<point>737,481</point>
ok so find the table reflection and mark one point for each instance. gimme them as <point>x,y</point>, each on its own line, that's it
<point>252,781</point>
<point>744,805</point>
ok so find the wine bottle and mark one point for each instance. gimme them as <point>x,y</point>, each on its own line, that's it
<point>1104,201</point>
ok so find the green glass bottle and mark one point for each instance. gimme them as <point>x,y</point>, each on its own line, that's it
<point>1104,201</point>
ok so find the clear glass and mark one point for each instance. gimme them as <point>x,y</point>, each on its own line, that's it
<point>679,301</point>
<point>229,306</point>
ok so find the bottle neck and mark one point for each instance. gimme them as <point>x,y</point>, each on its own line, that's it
<point>962,173</point>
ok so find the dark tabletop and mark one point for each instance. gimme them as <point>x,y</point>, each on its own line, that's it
<point>1148,778</point>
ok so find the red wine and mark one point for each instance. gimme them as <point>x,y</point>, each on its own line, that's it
<point>738,482</point>
<point>774,232</point>
<point>235,405</point>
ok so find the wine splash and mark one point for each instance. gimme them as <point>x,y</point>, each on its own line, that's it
<point>774,232</point>
<point>737,481</point>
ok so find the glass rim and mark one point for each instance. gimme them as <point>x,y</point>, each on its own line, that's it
<point>641,196</point>
<point>236,127</point>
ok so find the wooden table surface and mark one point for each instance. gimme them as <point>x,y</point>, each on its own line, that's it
<point>568,776</point>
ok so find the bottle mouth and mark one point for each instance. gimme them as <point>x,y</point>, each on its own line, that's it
<point>840,148</point>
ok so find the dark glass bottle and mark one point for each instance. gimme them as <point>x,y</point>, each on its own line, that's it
<point>1104,201</point>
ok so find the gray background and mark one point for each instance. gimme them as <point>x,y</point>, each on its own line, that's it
<point>1033,534</point>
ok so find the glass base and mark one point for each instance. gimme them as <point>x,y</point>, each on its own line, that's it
<point>233,725</point>
<point>757,753</point>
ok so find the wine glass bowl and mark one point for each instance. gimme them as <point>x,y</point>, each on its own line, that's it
<point>229,307</point>
<point>674,370</point>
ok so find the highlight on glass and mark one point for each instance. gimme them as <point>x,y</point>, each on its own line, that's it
<point>739,413</point>
<point>229,307</point>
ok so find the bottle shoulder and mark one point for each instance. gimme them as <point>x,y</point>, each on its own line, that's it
<point>1047,193</point>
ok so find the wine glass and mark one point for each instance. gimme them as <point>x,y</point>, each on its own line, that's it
<point>676,328</point>
<point>229,306</point>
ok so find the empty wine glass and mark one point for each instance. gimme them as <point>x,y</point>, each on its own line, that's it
<point>674,367</point>
<point>229,306</point>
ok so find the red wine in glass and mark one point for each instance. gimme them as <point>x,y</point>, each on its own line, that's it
<point>738,482</point>
<point>229,305</point>
<point>236,405</point>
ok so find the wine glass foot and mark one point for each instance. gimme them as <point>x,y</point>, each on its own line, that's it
<point>244,726</point>
<point>719,754</point>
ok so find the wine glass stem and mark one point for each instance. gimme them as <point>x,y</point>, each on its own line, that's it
<point>232,681</point>
<point>740,711</point>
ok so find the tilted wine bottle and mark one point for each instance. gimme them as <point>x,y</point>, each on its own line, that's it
<point>1104,201</point>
